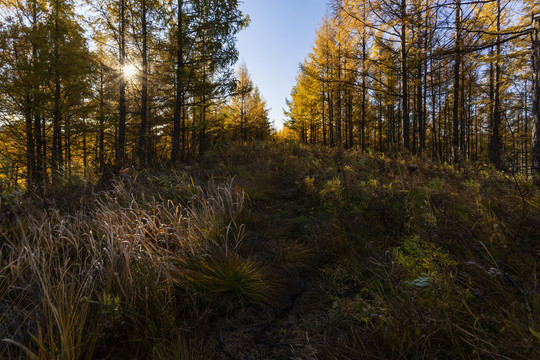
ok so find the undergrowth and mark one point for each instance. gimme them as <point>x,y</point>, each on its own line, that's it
<point>346,255</point>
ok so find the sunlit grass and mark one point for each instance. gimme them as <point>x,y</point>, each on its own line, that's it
<point>376,258</point>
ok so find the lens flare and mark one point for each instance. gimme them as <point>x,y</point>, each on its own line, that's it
<point>130,71</point>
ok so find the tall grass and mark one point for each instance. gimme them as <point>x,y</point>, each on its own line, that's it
<point>394,258</point>
<point>120,270</point>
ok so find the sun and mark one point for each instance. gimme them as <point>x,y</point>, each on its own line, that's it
<point>130,71</point>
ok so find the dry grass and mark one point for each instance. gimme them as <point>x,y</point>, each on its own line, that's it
<point>338,255</point>
<point>120,269</point>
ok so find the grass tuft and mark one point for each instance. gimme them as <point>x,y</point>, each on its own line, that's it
<point>230,280</point>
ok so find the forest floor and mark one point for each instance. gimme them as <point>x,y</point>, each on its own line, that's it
<point>276,251</point>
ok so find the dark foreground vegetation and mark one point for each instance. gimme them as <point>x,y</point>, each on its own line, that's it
<point>275,251</point>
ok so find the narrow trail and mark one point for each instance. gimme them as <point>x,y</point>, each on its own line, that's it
<point>281,224</point>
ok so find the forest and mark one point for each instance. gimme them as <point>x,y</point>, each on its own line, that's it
<point>92,87</point>
<point>449,80</point>
<point>151,209</point>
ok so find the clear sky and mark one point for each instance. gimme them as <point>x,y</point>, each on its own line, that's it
<point>280,36</point>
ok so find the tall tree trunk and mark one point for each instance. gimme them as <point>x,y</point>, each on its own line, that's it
<point>30,150</point>
<point>56,155</point>
<point>536,99</point>
<point>243,117</point>
<point>495,143</point>
<point>463,112</point>
<point>144,87</point>
<point>323,117</point>
<point>67,139</point>
<point>179,105</point>
<point>331,119</point>
<point>37,174</point>
<point>455,108</point>
<point>364,90</point>
<point>101,139</point>
<point>419,110</point>
<point>404,78</point>
<point>338,105</point>
<point>526,130</point>
<point>435,127</point>
<point>121,154</point>
<point>350,119</point>
<point>85,150</point>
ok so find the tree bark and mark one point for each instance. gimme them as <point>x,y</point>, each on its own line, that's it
<point>121,154</point>
<point>536,89</point>
<point>364,90</point>
<point>179,106</point>
<point>495,143</point>
<point>101,139</point>
<point>404,78</point>
<point>455,108</point>
<point>144,87</point>
<point>56,155</point>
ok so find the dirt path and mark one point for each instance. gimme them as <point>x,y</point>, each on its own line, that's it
<point>280,234</point>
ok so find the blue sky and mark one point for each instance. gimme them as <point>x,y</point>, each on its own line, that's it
<point>278,39</point>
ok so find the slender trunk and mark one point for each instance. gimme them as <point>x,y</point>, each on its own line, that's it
<point>101,139</point>
<point>364,90</point>
<point>338,105</point>
<point>536,99</point>
<point>380,120</point>
<point>179,106</point>
<point>323,117</point>
<point>85,155</point>
<point>30,150</point>
<point>350,119</point>
<point>144,88</point>
<point>463,112</point>
<point>435,130</point>
<point>37,173</point>
<point>121,154</point>
<point>404,77</point>
<point>56,156</point>
<point>44,149</point>
<point>495,144</point>
<point>419,108</point>
<point>455,109</point>
<point>67,147</point>
<point>202,132</point>
<point>243,117</point>
<point>331,120</point>
<point>526,130</point>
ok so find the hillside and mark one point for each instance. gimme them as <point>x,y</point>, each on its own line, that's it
<point>275,250</point>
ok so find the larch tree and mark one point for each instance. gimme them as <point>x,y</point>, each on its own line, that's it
<point>535,36</point>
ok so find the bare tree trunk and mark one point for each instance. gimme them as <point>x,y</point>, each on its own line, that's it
<point>144,87</point>
<point>39,163</point>
<point>179,106</point>
<point>101,121</point>
<point>331,119</point>
<point>56,155</point>
<point>364,89</point>
<point>536,99</point>
<point>323,117</point>
<point>338,105</point>
<point>30,151</point>
<point>404,77</point>
<point>121,154</point>
<point>455,109</point>
<point>85,150</point>
<point>495,143</point>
